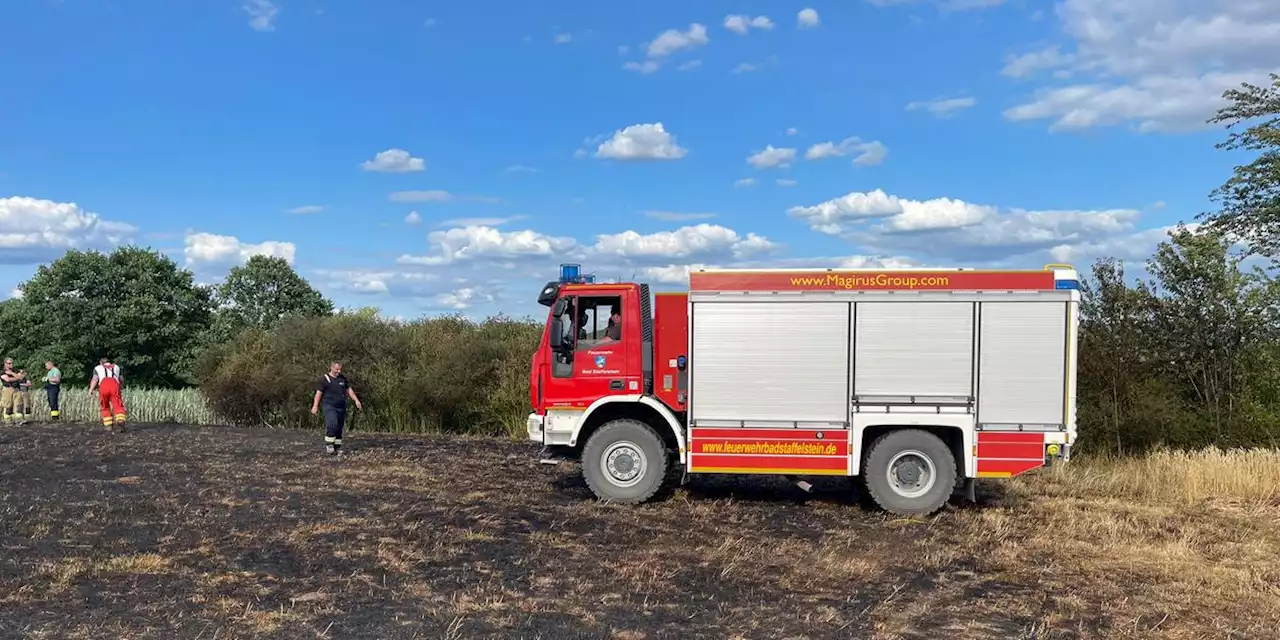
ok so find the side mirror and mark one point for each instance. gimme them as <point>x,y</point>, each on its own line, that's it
<point>556,338</point>
<point>560,306</point>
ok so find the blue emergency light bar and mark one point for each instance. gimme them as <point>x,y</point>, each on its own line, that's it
<point>572,273</point>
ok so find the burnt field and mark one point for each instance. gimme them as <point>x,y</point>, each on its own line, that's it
<point>182,532</point>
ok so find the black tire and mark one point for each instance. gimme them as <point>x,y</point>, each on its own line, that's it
<point>912,499</point>
<point>624,438</point>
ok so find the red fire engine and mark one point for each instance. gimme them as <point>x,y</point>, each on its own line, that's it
<point>917,381</point>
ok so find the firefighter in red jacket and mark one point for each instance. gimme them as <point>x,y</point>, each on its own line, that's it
<point>108,379</point>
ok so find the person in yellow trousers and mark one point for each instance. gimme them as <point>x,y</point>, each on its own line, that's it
<point>10,382</point>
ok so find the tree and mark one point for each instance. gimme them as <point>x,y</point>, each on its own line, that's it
<point>133,305</point>
<point>1212,319</point>
<point>262,292</point>
<point>1250,201</point>
<point>1116,341</point>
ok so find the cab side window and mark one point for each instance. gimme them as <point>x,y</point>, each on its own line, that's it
<point>594,319</point>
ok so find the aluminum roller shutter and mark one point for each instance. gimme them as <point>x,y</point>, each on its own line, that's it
<point>913,349</point>
<point>1022,363</point>
<point>785,361</point>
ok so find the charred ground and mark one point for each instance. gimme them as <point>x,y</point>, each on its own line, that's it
<point>181,532</point>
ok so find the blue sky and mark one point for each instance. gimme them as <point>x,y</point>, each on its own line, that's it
<point>426,157</point>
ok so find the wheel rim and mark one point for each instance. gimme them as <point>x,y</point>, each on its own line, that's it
<point>623,463</point>
<point>911,473</point>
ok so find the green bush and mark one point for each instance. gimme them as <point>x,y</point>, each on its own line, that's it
<point>439,374</point>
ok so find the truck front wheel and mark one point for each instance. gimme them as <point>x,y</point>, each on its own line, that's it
<point>910,472</point>
<point>624,461</point>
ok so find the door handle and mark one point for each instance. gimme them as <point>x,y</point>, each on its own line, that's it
<point>615,385</point>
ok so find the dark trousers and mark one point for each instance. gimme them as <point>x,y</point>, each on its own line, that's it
<point>52,392</point>
<point>334,417</point>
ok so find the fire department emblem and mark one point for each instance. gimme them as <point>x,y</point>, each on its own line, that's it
<point>600,362</point>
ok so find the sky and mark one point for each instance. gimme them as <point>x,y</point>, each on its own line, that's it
<point>428,157</point>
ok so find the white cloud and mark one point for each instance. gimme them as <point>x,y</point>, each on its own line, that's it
<point>33,230</point>
<point>479,222</point>
<point>772,157</point>
<point>413,218</point>
<point>1026,64</point>
<point>468,243</point>
<point>667,43</point>
<point>463,298</point>
<point>519,168</point>
<point>744,182</point>
<point>741,24</point>
<point>697,240</point>
<point>745,67</point>
<point>646,67</point>
<point>307,209</point>
<point>692,64</point>
<point>786,182</point>
<point>791,131</point>
<point>807,18</point>
<point>866,153</point>
<point>671,216</point>
<point>205,250</point>
<point>959,230</point>
<point>394,161</point>
<point>944,5</point>
<point>1156,65</point>
<point>641,142</point>
<point>673,40</point>
<point>436,195</point>
<point>262,14</point>
<point>943,107</point>
<point>563,38</point>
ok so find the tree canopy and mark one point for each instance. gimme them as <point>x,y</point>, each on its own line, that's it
<point>133,305</point>
<point>1249,202</point>
<point>262,292</point>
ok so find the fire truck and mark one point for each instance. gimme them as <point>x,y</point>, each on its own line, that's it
<point>917,382</point>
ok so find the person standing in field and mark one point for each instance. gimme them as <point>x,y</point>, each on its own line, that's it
<point>108,378</point>
<point>10,380</point>
<point>52,387</point>
<point>24,396</point>
<point>332,390</point>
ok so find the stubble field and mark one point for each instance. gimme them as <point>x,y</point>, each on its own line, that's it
<point>172,531</point>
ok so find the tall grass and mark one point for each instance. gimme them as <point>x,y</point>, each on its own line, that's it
<point>182,406</point>
<point>1241,476</point>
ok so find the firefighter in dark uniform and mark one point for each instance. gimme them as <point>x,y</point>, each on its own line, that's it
<point>332,391</point>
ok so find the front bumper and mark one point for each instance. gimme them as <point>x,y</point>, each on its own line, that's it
<point>534,426</point>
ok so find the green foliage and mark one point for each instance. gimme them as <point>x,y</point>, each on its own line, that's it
<point>1188,359</point>
<point>1250,201</point>
<point>445,373</point>
<point>262,292</point>
<point>133,305</point>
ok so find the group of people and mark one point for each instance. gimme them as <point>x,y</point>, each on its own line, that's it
<point>332,393</point>
<point>15,393</point>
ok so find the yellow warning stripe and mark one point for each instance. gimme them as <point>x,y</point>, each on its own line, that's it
<point>795,472</point>
<point>994,474</point>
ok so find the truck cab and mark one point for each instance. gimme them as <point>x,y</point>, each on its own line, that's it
<point>595,368</point>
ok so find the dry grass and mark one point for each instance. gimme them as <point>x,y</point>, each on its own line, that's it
<point>178,532</point>
<point>1245,477</point>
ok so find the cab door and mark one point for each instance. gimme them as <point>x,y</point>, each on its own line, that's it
<point>586,362</point>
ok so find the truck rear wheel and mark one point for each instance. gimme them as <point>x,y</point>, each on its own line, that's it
<point>624,461</point>
<point>910,472</point>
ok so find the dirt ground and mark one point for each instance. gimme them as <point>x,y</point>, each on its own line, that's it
<point>181,532</point>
